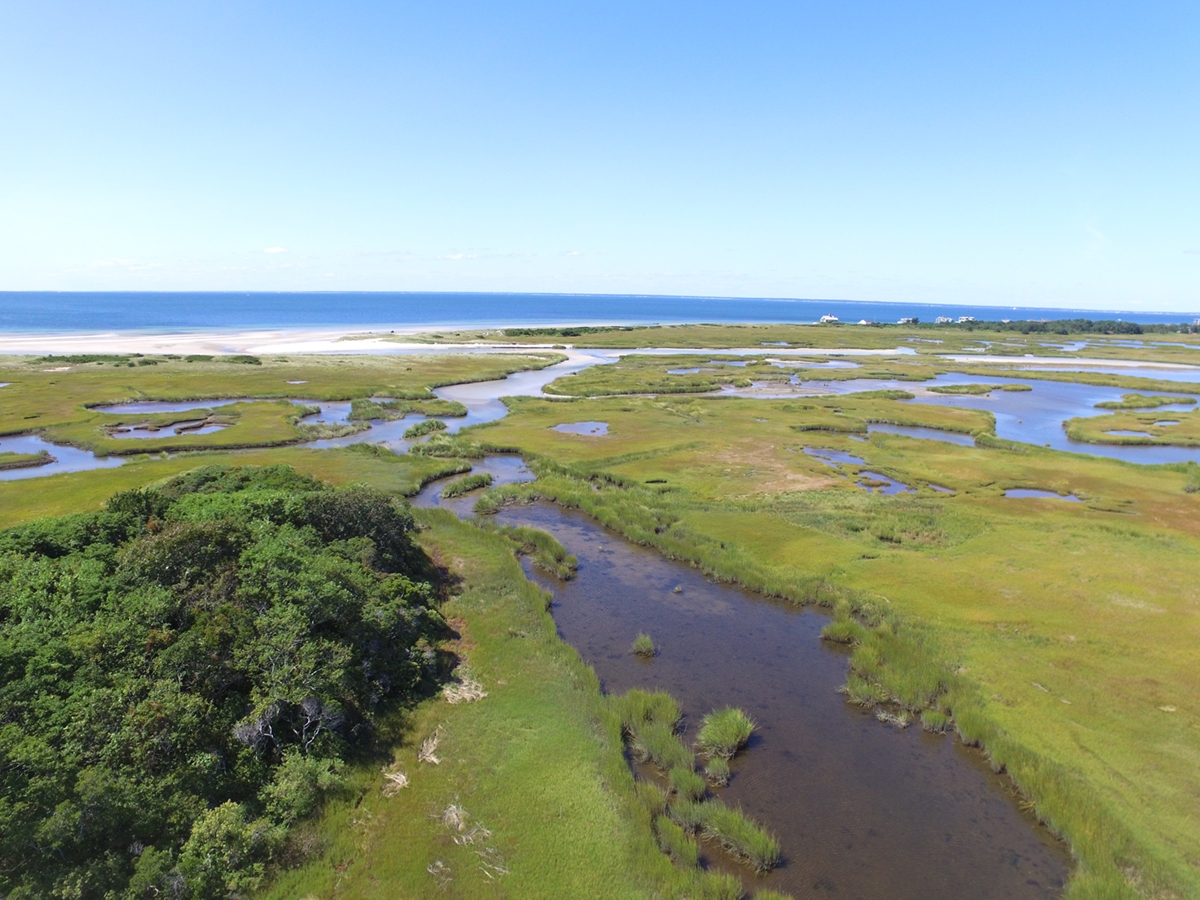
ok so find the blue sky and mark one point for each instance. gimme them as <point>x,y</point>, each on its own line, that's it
<point>1010,153</point>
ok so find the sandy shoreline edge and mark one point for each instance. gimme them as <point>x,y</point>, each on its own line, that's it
<point>303,340</point>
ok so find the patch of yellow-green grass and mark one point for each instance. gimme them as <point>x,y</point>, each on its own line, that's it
<point>43,395</point>
<point>24,460</point>
<point>530,795</point>
<point>1060,635</point>
<point>72,492</point>
<point>1146,427</point>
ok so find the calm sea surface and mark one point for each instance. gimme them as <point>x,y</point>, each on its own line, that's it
<point>142,311</point>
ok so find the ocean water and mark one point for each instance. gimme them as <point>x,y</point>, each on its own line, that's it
<point>197,311</point>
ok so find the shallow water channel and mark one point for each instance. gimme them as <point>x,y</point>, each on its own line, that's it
<point>861,809</point>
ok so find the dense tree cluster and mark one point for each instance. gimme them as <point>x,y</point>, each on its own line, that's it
<point>184,674</point>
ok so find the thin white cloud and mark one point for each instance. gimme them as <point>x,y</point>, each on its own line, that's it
<point>275,250</point>
<point>572,253</point>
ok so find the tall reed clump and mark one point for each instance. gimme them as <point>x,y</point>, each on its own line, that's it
<point>466,485</point>
<point>426,426</point>
<point>741,836</point>
<point>724,732</point>
<point>643,646</point>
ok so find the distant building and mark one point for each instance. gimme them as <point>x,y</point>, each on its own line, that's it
<point>962,319</point>
<point>944,320</point>
<point>829,320</point>
<point>909,320</point>
<point>865,322</point>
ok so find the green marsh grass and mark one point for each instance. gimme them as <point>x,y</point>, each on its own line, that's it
<point>425,426</point>
<point>658,743</point>
<point>637,708</point>
<point>740,836</point>
<point>716,770</point>
<point>686,783</point>
<point>466,485</point>
<point>1142,401</point>
<point>543,549</point>
<point>724,732</point>
<point>643,646</point>
<point>689,814</point>
<point>676,843</point>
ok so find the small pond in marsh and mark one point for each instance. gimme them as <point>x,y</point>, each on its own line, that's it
<point>588,428</point>
<point>861,809</point>
<point>1036,494</point>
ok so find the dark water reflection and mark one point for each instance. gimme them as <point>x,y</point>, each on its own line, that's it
<point>862,810</point>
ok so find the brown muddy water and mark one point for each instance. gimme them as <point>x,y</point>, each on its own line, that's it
<point>861,809</point>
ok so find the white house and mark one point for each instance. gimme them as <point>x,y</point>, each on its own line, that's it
<point>829,320</point>
<point>944,320</point>
<point>962,319</point>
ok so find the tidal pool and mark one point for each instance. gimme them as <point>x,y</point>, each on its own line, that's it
<point>588,428</point>
<point>861,809</point>
<point>885,485</point>
<point>925,434</point>
<point>1033,493</point>
<point>162,406</point>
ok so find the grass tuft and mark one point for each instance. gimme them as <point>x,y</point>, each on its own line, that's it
<point>427,426</point>
<point>638,708</point>
<point>466,485</point>
<point>740,836</point>
<point>657,742</point>
<point>717,771</point>
<point>935,720</point>
<point>686,783</point>
<point>723,732</point>
<point>676,843</point>
<point>643,645</point>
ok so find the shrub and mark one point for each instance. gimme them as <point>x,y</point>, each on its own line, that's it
<point>643,646</point>
<point>686,783</point>
<point>299,783</point>
<point>723,732</point>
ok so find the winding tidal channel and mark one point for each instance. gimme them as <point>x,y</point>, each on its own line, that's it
<point>861,809</point>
